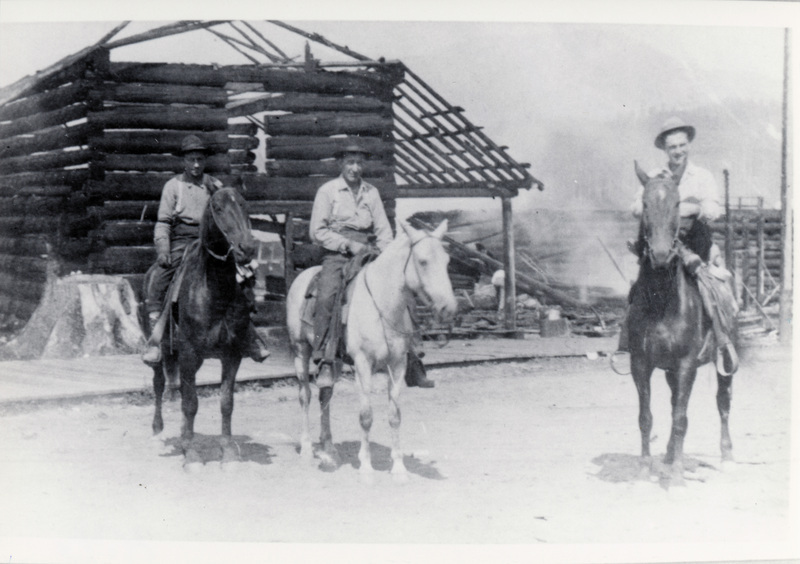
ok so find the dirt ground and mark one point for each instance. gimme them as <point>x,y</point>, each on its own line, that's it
<point>541,452</point>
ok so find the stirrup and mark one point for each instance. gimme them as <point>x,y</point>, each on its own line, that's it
<point>727,360</point>
<point>152,356</point>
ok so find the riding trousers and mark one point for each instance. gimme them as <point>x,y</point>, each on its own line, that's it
<point>162,275</point>
<point>327,326</point>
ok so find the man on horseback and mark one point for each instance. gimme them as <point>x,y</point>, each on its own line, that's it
<point>348,221</point>
<point>183,202</point>
<point>699,205</point>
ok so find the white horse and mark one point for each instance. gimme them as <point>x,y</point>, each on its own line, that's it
<point>379,332</point>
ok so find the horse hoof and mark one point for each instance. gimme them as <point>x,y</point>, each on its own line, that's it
<point>229,456</point>
<point>192,467</point>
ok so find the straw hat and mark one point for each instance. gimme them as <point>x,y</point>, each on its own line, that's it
<point>670,126</point>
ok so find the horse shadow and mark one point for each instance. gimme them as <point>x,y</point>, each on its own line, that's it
<point>628,468</point>
<point>208,446</point>
<point>382,460</point>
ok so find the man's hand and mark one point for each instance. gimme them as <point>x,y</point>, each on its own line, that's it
<point>163,254</point>
<point>354,247</point>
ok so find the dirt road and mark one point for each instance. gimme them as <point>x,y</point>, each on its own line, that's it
<point>534,452</point>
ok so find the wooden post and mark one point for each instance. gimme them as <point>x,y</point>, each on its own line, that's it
<point>745,260</point>
<point>760,243</point>
<point>288,247</point>
<point>785,312</point>
<point>728,223</point>
<point>509,266</point>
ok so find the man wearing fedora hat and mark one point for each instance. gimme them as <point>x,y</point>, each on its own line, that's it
<point>183,202</point>
<point>347,219</point>
<point>699,205</point>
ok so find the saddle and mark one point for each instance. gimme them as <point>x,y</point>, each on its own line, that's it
<point>343,298</point>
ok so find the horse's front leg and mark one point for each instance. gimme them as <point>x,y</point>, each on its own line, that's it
<point>159,384</point>
<point>724,393</point>
<point>363,370</point>
<point>302,354</point>
<point>189,362</point>
<point>396,382</point>
<point>642,371</point>
<point>230,366</point>
<point>680,382</point>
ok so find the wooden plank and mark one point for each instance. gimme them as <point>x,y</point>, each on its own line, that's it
<point>44,161</point>
<point>158,163</point>
<point>34,267</point>
<point>68,69</point>
<point>137,92</point>
<point>161,117</point>
<point>42,120</point>
<point>127,233</point>
<point>29,245</point>
<point>274,80</point>
<point>329,123</point>
<point>21,286</point>
<point>318,148</point>
<point>46,101</point>
<point>124,260</point>
<point>148,186</point>
<point>248,129</point>
<point>301,102</point>
<point>329,168</point>
<point>32,205</point>
<point>131,209</point>
<point>161,141</point>
<point>57,137</point>
<point>10,184</point>
<point>284,188</point>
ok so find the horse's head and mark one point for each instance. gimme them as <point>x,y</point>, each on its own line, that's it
<point>225,228</point>
<point>660,217</point>
<point>426,270</point>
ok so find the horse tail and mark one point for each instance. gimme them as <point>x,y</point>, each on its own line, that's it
<point>295,303</point>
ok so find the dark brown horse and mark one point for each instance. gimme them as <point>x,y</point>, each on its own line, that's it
<point>668,326</point>
<point>210,316</point>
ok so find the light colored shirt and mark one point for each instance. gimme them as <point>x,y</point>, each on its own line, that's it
<point>698,192</point>
<point>336,207</point>
<point>183,202</point>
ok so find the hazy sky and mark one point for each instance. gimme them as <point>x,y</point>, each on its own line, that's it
<point>512,68</point>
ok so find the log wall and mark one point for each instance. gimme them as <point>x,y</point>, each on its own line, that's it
<point>85,154</point>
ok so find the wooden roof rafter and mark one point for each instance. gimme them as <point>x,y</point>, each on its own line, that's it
<point>437,149</point>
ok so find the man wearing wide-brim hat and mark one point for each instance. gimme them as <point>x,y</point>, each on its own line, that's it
<point>183,202</point>
<point>347,218</point>
<point>699,205</point>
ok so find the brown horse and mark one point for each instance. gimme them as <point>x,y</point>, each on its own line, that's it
<point>210,317</point>
<point>669,328</point>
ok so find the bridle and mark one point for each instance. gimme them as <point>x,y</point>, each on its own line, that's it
<point>673,250</point>
<point>381,316</point>
<point>227,254</point>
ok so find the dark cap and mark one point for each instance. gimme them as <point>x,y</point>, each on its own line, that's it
<point>672,125</point>
<point>192,143</point>
<point>352,149</point>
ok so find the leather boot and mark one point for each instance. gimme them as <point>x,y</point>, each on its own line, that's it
<point>416,375</point>
<point>257,348</point>
<point>325,375</point>
<point>152,354</point>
